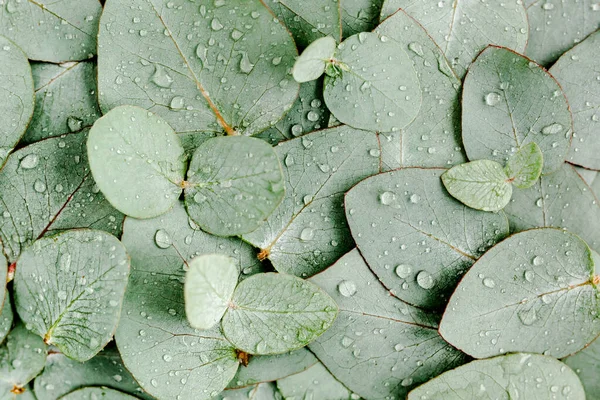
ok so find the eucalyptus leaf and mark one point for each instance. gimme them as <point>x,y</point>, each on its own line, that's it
<point>510,101</point>
<point>232,74</point>
<point>373,85</point>
<point>93,393</point>
<point>54,31</point>
<point>262,391</point>
<point>359,15</point>
<point>577,72</point>
<point>209,285</point>
<point>415,237</point>
<point>233,185</point>
<point>16,91</point>
<point>463,28</point>
<point>316,382</point>
<point>69,288</point>
<point>274,313</point>
<point>4,278</point>
<point>6,318</point>
<point>524,168</point>
<point>314,59</point>
<point>308,231</point>
<point>534,292</point>
<point>505,377</point>
<point>482,185</point>
<point>585,364</point>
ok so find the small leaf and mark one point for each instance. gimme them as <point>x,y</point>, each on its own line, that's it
<point>374,85</point>
<point>209,285</point>
<point>312,62</point>
<point>480,184</point>
<point>6,318</point>
<point>585,364</point>
<point>525,167</point>
<point>69,288</point>
<point>499,377</point>
<point>137,161</point>
<point>233,185</point>
<point>302,385</point>
<point>285,312</point>
<point>91,393</point>
<point>534,292</point>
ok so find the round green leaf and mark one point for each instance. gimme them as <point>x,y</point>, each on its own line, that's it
<point>585,364</point>
<point>197,64</point>
<point>482,185</point>
<point>137,161</point>
<point>534,292</point>
<point>374,85</point>
<point>515,376</point>
<point>93,393</point>
<point>315,382</point>
<point>69,288</point>
<point>209,285</point>
<point>525,167</point>
<point>16,92</point>
<point>285,313</point>
<point>418,240</point>
<point>6,318</point>
<point>313,60</point>
<point>233,185</point>
<point>510,101</point>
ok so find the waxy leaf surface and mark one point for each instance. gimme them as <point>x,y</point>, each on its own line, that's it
<point>585,364</point>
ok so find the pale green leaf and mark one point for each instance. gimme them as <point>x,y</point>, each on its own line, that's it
<point>316,383</point>
<point>275,313</point>
<point>308,231</point>
<point>233,185</point>
<point>585,364</point>
<point>577,72</point>
<point>515,376</point>
<point>481,184</point>
<point>6,318</point>
<point>69,289</point>
<point>52,30</point>
<point>94,393</point>
<point>197,64</point>
<point>374,85</point>
<point>379,347</point>
<point>209,285</point>
<point>262,391</point>
<point>524,167</point>
<point>313,60</point>
<point>359,15</point>
<point>510,101</point>
<point>533,292</point>
<point>417,239</point>
<point>137,161</point>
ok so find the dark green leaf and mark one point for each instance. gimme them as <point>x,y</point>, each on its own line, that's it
<point>524,168</point>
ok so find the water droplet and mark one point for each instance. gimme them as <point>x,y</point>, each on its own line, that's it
<point>488,282</point>
<point>74,124</point>
<point>387,198</point>
<point>548,6</point>
<point>30,161</point>
<point>416,48</point>
<point>403,271</point>
<point>347,288</point>
<point>245,65</point>
<point>527,316</point>
<point>415,198</point>
<point>537,261</point>
<point>39,186</point>
<point>261,347</point>
<point>493,98</point>
<point>160,77</point>
<point>216,25</point>
<point>236,35</point>
<point>177,103</point>
<point>552,129</point>
<point>398,347</point>
<point>167,358</point>
<point>162,239</point>
<point>529,275</point>
<point>297,130</point>
<point>425,280</point>
<point>307,234</point>
<point>312,116</point>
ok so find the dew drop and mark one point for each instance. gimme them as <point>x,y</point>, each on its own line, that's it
<point>347,288</point>
<point>160,77</point>
<point>425,280</point>
<point>387,198</point>
<point>162,239</point>
<point>307,234</point>
<point>552,129</point>
<point>403,270</point>
<point>30,161</point>
<point>493,98</point>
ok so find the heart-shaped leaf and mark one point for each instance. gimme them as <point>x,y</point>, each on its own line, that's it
<point>198,65</point>
<point>92,393</point>
<point>316,382</point>
<point>505,377</point>
<point>308,231</point>
<point>284,311</point>
<point>585,364</point>
<point>525,167</point>
<point>314,59</point>
<point>16,91</point>
<point>6,318</point>
<point>69,288</point>
<point>379,346</point>
<point>54,31</point>
<point>463,28</point>
<point>534,292</point>
<point>415,237</point>
<point>510,101</point>
<point>482,185</point>
<point>209,285</point>
<point>233,185</point>
<point>576,71</point>
<point>137,161</point>
<point>372,84</point>
<point>359,15</point>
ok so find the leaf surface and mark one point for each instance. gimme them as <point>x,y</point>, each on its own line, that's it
<point>6,318</point>
<point>313,60</point>
<point>585,364</point>
<point>92,393</point>
<point>315,382</point>
<point>524,168</point>
<point>262,391</point>
<point>4,295</point>
<point>359,15</point>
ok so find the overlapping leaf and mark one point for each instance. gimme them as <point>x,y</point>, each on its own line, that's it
<point>316,382</point>
<point>585,364</point>
<point>262,391</point>
<point>359,15</point>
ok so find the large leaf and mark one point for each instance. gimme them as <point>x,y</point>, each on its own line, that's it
<point>275,313</point>
<point>93,393</point>
<point>65,99</point>
<point>233,185</point>
<point>559,25</point>
<point>69,288</point>
<point>314,383</point>
<point>376,87</point>
<point>50,30</point>
<point>415,237</point>
<point>586,365</point>
<point>577,72</point>
<point>16,91</point>
<point>6,318</point>
<point>506,377</point>
<point>510,101</point>
<point>433,138</point>
<point>202,66</point>
<point>359,15</point>
<point>534,292</point>
<point>378,347</point>
<point>47,187</point>
<point>463,28</point>
<point>308,231</point>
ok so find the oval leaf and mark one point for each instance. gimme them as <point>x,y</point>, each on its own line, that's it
<point>69,288</point>
<point>509,101</point>
<point>525,167</point>
<point>137,161</point>
<point>534,292</point>
<point>233,185</point>
<point>311,63</point>
<point>285,312</point>
<point>92,393</point>
<point>585,364</point>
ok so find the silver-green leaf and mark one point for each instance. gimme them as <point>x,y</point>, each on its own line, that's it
<point>313,60</point>
<point>359,16</point>
<point>6,318</point>
<point>93,393</point>
<point>524,167</point>
<point>585,364</point>
<point>316,382</point>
